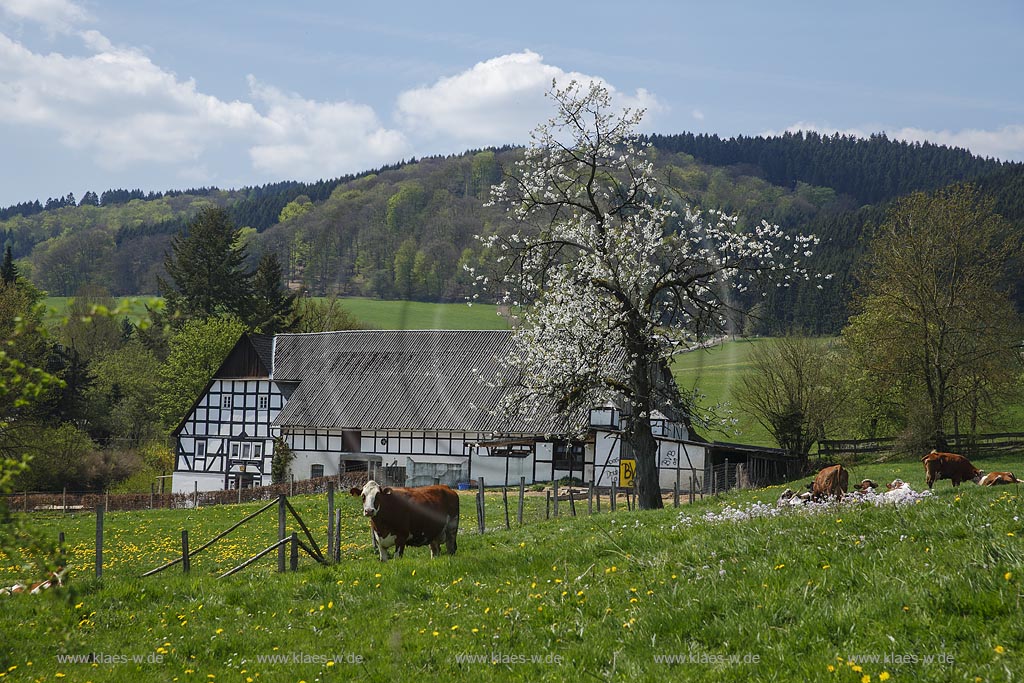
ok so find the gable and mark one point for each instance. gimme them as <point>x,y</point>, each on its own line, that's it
<point>251,357</point>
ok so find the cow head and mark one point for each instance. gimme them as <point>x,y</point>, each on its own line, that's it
<point>369,493</point>
<point>978,476</point>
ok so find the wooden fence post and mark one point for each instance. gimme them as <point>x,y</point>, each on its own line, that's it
<point>572,503</point>
<point>186,563</point>
<point>99,540</point>
<point>330,519</point>
<point>675,494</point>
<point>504,499</point>
<point>239,491</point>
<point>597,492</point>
<point>24,501</point>
<point>282,519</point>
<point>337,537</point>
<point>554,495</point>
<point>195,495</point>
<point>547,504</point>
<point>614,495</point>
<point>590,499</point>
<point>152,490</point>
<point>64,501</point>
<point>294,563</point>
<point>481,506</point>
<point>522,499</point>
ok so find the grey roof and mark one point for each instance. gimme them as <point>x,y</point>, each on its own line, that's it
<point>397,380</point>
<point>263,344</point>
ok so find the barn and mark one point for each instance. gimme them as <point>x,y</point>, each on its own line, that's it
<point>405,405</point>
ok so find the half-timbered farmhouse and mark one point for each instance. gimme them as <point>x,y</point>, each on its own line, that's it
<point>406,404</point>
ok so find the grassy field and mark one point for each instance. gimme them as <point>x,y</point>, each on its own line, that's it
<point>716,372</point>
<point>374,313</point>
<point>417,315</point>
<point>606,598</point>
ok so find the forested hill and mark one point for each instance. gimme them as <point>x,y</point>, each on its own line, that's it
<point>405,231</point>
<point>871,170</point>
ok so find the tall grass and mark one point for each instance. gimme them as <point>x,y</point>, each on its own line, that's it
<point>594,598</point>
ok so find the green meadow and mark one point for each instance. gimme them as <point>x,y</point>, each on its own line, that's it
<point>374,313</point>
<point>927,592</point>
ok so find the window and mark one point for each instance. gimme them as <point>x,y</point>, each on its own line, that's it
<point>257,451</point>
<point>225,401</point>
<point>264,401</point>
<point>568,455</point>
<point>316,471</point>
<point>350,441</point>
<point>200,450</point>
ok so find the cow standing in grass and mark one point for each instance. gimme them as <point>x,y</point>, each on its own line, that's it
<point>410,516</point>
<point>831,482</point>
<point>949,466</point>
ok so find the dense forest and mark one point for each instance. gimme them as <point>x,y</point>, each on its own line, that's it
<point>406,231</point>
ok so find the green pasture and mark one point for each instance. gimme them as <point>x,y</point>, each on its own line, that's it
<point>418,315</point>
<point>936,587</point>
<point>373,313</point>
<point>715,373</point>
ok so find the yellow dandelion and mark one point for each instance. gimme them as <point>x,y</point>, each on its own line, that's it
<point>884,676</point>
<point>1008,575</point>
<point>831,668</point>
<point>865,679</point>
<point>999,649</point>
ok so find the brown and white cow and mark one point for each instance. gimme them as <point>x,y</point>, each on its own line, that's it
<point>831,482</point>
<point>999,478</point>
<point>54,579</point>
<point>949,466</point>
<point>402,517</point>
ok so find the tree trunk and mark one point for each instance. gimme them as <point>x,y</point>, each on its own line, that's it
<point>645,450</point>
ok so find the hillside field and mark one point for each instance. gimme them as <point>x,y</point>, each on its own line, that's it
<point>374,313</point>
<point>931,592</point>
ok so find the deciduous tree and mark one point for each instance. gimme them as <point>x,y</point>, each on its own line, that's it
<point>614,280</point>
<point>934,319</point>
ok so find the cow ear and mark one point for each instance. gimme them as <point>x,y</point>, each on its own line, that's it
<point>355,491</point>
<point>386,490</point>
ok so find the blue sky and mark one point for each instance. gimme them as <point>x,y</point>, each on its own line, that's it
<point>97,94</point>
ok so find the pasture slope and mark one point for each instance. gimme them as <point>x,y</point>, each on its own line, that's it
<point>374,313</point>
<point>928,592</point>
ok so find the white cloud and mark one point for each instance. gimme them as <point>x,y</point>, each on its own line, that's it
<point>55,15</point>
<point>697,114</point>
<point>307,139</point>
<point>123,109</point>
<point>495,101</point>
<point>1005,143</point>
<point>116,106</point>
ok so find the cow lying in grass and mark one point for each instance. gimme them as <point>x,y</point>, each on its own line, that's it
<point>54,579</point>
<point>410,516</point>
<point>999,478</point>
<point>949,466</point>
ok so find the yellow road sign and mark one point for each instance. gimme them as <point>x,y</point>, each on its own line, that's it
<point>627,471</point>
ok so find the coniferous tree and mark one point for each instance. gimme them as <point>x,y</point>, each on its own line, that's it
<point>8,271</point>
<point>207,270</point>
<point>273,306</point>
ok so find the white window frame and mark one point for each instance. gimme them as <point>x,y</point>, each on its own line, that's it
<point>226,402</point>
<point>263,403</point>
<point>199,451</point>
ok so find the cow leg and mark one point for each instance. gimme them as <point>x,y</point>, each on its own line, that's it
<point>451,531</point>
<point>383,544</point>
<point>435,548</point>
